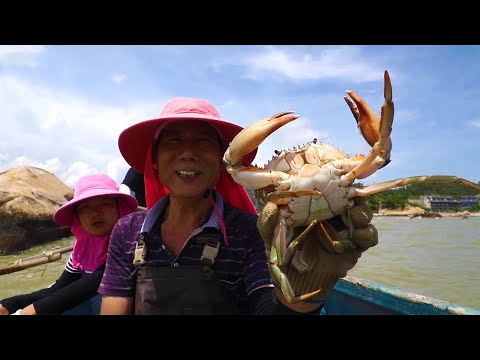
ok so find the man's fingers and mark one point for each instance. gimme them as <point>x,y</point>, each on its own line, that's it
<point>361,215</point>
<point>360,200</point>
<point>365,237</point>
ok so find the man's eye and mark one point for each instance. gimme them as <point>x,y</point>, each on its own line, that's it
<point>206,141</point>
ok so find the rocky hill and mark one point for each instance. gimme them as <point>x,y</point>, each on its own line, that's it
<point>29,196</point>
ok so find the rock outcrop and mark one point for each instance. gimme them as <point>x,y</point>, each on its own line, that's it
<point>29,196</point>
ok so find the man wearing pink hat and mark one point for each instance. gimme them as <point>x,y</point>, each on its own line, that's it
<point>92,213</point>
<point>197,249</point>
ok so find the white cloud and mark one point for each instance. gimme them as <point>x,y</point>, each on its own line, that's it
<point>119,78</point>
<point>332,63</point>
<point>225,105</point>
<point>76,170</point>
<point>475,123</point>
<point>116,169</point>
<point>64,133</point>
<point>52,165</point>
<point>20,55</point>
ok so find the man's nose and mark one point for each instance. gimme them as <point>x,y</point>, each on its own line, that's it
<point>188,149</point>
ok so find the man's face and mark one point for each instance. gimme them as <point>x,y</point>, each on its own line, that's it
<point>98,215</point>
<point>189,158</point>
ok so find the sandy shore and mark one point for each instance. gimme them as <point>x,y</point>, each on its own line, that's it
<point>420,211</point>
<point>472,214</point>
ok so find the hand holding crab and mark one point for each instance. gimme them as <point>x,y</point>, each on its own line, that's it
<point>305,187</point>
<point>313,262</point>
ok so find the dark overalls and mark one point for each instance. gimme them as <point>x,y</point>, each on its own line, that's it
<point>186,289</point>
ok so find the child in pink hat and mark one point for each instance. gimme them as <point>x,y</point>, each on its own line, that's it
<point>96,207</point>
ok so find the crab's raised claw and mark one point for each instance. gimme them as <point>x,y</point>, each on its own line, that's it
<point>368,122</point>
<point>252,136</point>
<point>379,155</point>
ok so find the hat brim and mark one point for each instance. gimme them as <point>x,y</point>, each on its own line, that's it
<point>134,141</point>
<point>65,214</point>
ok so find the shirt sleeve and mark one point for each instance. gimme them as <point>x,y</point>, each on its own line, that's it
<point>71,290</point>
<point>70,267</point>
<point>117,279</point>
<point>256,273</point>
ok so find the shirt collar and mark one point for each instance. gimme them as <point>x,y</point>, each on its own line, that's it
<point>160,205</point>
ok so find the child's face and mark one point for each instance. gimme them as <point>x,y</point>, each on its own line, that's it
<point>98,215</point>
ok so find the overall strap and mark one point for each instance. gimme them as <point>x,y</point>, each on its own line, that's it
<point>150,219</point>
<point>210,250</point>
<point>140,251</point>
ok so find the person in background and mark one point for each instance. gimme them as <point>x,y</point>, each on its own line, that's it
<point>197,248</point>
<point>94,210</point>
<point>133,182</point>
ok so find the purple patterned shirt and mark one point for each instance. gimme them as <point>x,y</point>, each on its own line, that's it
<point>244,260</point>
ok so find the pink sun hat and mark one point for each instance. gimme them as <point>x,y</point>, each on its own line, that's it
<point>91,186</point>
<point>134,141</point>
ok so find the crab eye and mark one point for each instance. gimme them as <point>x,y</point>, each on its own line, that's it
<point>277,152</point>
<point>314,140</point>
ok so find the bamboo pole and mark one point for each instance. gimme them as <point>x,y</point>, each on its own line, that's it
<point>31,261</point>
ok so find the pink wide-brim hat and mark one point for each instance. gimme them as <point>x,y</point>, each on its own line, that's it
<point>134,141</point>
<point>89,187</point>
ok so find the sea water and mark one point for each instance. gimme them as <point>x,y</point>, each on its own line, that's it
<point>438,258</point>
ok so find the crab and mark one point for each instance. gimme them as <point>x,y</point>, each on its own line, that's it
<point>313,183</point>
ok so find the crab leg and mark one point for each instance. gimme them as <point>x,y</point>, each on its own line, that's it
<point>435,179</point>
<point>284,252</point>
<point>278,196</point>
<point>380,147</point>
<point>303,265</point>
<point>333,246</point>
<point>285,285</point>
<point>255,178</point>
<point>280,255</point>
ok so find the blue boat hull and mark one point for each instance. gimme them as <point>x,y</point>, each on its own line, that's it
<point>356,296</point>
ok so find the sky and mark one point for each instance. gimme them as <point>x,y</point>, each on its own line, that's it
<point>63,107</point>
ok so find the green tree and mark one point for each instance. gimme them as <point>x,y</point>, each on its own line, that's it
<point>397,198</point>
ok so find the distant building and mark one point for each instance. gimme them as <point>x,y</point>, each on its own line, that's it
<point>468,201</point>
<point>440,203</point>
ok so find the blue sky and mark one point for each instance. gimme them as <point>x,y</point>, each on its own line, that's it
<point>63,107</point>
